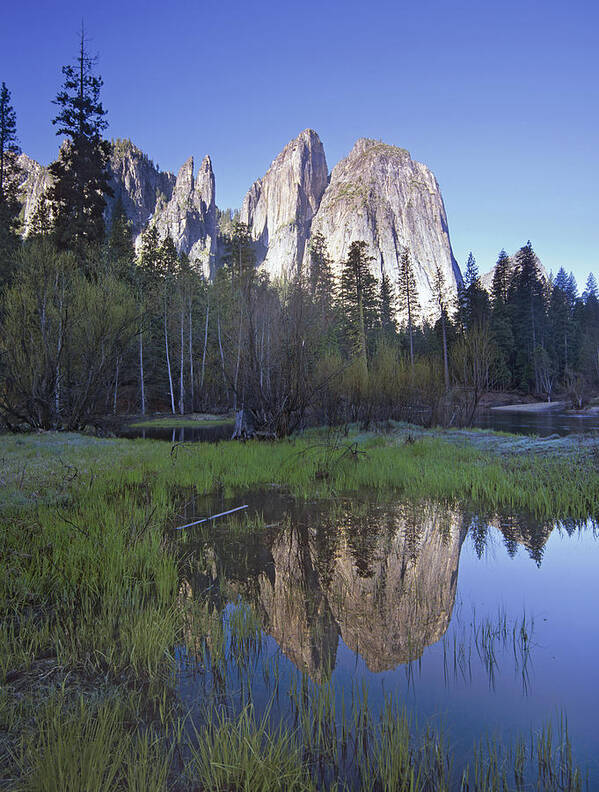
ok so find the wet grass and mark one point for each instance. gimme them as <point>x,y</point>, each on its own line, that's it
<point>90,591</point>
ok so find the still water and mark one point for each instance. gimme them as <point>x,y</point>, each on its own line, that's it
<point>482,624</point>
<point>542,423</point>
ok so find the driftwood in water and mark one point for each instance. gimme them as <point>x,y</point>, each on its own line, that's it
<point>244,426</point>
<point>213,517</point>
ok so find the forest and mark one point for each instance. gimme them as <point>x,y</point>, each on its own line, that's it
<point>90,327</point>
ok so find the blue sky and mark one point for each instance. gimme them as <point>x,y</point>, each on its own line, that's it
<point>499,99</point>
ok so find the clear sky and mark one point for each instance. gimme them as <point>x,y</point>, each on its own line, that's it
<point>499,99</point>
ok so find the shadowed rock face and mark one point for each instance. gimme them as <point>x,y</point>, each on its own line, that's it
<point>280,206</point>
<point>378,194</point>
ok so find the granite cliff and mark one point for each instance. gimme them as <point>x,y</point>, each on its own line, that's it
<point>377,194</point>
<point>279,207</point>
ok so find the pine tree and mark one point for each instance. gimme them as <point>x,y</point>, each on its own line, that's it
<point>321,280</point>
<point>409,307</point>
<point>120,241</point>
<point>527,305</point>
<point>359,303</point>
<point>590,289</point>
<point>501,325</point>
<point>443,303</point>
<point>80,172</point>
<point>9,173</point>
<point>473,300</point>
<point>501,280</point>
<point>387,305</point>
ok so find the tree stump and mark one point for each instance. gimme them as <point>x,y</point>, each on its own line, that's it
<point>244,426</point>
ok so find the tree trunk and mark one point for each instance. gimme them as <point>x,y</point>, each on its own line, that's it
<point>182,364</point>
<point>205,345</point>
<point>191,382</point>
<point>222,357</point>
<point>244,426</point>
<point>445,363</point>
<point>116,386</point>
<point>168,363</point>
<point>141,374</point>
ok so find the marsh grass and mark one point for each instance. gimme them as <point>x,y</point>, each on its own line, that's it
<point>91,583</point>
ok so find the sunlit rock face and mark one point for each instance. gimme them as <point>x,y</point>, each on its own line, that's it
<point>35,180</point>
<point>280,206</point>
<point>183,207</point>
<point>137,183</point>
<point>190,214</point>
<point>378,194</point>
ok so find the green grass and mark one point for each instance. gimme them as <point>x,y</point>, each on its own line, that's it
<point>91,591</point>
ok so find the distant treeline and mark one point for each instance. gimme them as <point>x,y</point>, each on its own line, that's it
<point>88,327</point>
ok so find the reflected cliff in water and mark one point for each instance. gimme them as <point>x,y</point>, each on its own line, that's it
<point>380,577</point>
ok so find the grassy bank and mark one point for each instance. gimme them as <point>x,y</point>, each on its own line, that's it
<point>91,605</point>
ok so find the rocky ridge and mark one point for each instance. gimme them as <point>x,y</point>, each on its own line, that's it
<point>279,207</point>
<point>377,194</point>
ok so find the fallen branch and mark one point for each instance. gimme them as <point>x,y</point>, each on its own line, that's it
<point>214,516</point>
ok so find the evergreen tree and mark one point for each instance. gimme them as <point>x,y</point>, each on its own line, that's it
<point>239,257</point>
<point>120,250</point>
<point>501,280</point>
<point>473,300</point>
<point>9,173</point>
<point>359,303</point>
<point>443,303</point>
<point>321,280</point>
<point>501,325</point>
<point>80,172</point>
<point>590,289</point>
<point>527,304</point>
<point>387,305</point>
<point>409,307</point>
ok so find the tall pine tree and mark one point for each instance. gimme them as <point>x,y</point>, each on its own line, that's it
<point>409,307</point>
<point>80,172</point>
<point>9,174</point>
<point>359,302</point>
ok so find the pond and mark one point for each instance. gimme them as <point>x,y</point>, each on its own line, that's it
<point>542,423</point>
<point>478,624</point>
<point>202,433</point>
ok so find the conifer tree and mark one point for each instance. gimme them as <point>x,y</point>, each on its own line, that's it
<point>501,325</point>
<point>387,305</point>
<point>9,173</point>
<point>473,300</point>
<point>527,305</point>
<point>409,307</point>
<point>358,298</point>
<point>321,280</point>
<point>120,241</point>
<point>80,172</point>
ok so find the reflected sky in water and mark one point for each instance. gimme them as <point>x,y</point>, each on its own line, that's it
<point>483,623</point>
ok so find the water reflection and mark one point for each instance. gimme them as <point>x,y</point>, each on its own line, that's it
<point>380,577</point>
